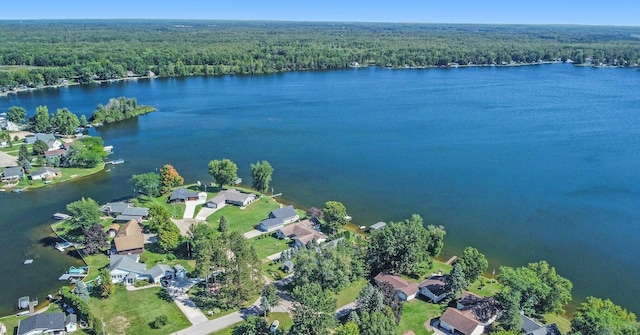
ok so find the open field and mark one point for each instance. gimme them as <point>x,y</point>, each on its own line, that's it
<point>131,312</point>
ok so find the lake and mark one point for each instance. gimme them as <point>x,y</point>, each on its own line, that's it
<point>523,163</point>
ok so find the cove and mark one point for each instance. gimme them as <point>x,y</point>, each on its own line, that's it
<point>523,163</point>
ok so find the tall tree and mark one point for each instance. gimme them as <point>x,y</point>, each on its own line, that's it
<point>169,178</point>
<point>84,213</point>
<point>391,299</point>
<point>370,299</point>
<point>40,122</point>
<point>253,325</point>
<point>147,183</point>
<point>436,240</point>
<point>168,236</point>
<point>261,176</point>
<point>270,293</point>
<point>510,318</point>
<point>349,328</point>
<point>597,316</point>
<point>335,215</point>
<point>105,286</point>
<point>379,322</point>
<point>223,225</point>
<point>65,122</point>
<point>23,154</point>
<point>95,239</point>
<point>313,310</point>
<point>81,291</point>
<point>224,171</point>
<point>473,264</point>
<point>39,147</point>
<point>17,115</point>
<point>400,247</point>
<point>455,282</point>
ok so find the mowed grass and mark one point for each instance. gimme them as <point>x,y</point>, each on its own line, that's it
<point>284,318</point>
<point>269,245</point>
<point>414,315</point>
<point>131,312</point>
<point>243,220</point>
<point>563,324</point>
<point>350,293</point>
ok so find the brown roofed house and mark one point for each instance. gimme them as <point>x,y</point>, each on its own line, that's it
<point>434,288</point>
<point>301,233</point>
<point>129,239</point>
<point>406,290</point>
<point>455,320</point>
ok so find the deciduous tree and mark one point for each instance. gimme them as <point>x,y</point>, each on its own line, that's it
<point>39,147</point>
<point>84,213</point>
<point>473,264</point>
<point>105,286</point>
<point>147,183</point>
<point>335,215</point>
<point>169,178</point>
<point>597,316</point>
<point>313,310</point>
<point>65,122</point>
<point>224,171</point>
<point>261,176</point>
<point>17,115</point>
<point>349,328</point>
<point>95,239</point>
<point>40,122</point>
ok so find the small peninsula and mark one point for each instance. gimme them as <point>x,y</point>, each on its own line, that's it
<point>118,109</point>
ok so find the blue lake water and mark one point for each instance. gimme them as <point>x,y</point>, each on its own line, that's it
<point>523,163</point>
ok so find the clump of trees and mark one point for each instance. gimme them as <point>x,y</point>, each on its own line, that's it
<point>404,247</point>
<point>597,316</point>
<point>118,109</point>
<point>261,176</point>
<point>334,215</point>
<point>224,171</point>
<point>155,184</point>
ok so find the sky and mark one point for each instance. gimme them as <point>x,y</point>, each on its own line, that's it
<point>589,12</point>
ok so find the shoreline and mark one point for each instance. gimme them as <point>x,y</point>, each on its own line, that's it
<point>405,67</point>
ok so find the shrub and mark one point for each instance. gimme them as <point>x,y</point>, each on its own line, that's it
<point>159,322</point>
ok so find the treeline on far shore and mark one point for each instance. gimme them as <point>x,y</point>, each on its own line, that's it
<point>45,52</point>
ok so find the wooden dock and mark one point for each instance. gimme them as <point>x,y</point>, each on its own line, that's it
<point>450,261</point>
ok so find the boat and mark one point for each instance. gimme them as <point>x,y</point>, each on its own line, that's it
<point>28,261</point>
<point>18,190</point>
<point>118,161</point>
<point>61,216</point>
<point>23,302</point>
<point>22,313</point>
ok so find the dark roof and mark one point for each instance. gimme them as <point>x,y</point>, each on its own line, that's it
<point>182,194</point>
<point>532,327</point>
<point>71,318</point>
<point>160,270</point>
<point>270,223</point>
<point>529,324</point>
<point>45,321</point>
<point>481,308</point>
<point>283,213</point>
<point>13,171</point>
<point>435,285</point>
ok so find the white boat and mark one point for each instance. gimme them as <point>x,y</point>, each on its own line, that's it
<point>23,302</point>
<point>61,216</point>
<point>28,261</point>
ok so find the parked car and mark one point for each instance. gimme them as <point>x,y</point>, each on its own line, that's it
<point>274,326</point>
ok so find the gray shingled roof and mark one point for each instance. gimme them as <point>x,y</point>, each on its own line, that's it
<point>44,321</point>
<point>182,194</point>
<point>115,207</point>
<point>136,211</point>
<point>283,213</point>
<point>159,270</point>
<point>126,263</point>
<point>13,171</point>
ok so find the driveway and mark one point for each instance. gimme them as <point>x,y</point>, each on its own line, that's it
<point>178,292</point>
<point>223,322</point>
<point>253,233</point>
<point>204,213</point>
<point>190,207</point>
<point>7,160</point>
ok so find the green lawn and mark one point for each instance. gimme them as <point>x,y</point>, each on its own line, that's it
<point>67,174</point>
<point>228,330</point>
<point>176,210</point>
<point>349,293</point>
<point>414,315</point>
<point>11,322</point>
<point>563,324</point>
<point>152,258</point>
<point>95,263</point>
<point>244,220</point>
<point>131,312</point>
<point>268,245</point>
<point>273,270</point>
<point>490,288</point>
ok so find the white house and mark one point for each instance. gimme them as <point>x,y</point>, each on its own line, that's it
<point>47,323</point>
<point>472,315</point>
<point>232,197</point>
<point>126,269</point>
<point>278,218</point>
<point>45,173</point>
<point>454,320</point>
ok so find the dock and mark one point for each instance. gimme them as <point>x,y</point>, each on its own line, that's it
<point>61,246</point>
<point>68,276</point>
<point>114,162</point>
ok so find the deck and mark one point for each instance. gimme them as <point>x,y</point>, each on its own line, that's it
<point>68,276</point>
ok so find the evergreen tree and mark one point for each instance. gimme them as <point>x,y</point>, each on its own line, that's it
<point>23,154</point>
<point>455,282</point>
<point>223,226</point>
<point>106,286</point>
<point>370,299</point>
<point>81,291</point>
<point>313,310</point>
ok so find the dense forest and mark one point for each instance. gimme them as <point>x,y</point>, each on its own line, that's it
<point>43,52</point>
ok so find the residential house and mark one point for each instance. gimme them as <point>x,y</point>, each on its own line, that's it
<point>133,213</point>
<point>126,269</point>
<point>434,288</point>
<point>52,142</point>
<point>232,197</point>
<point>301,233</point>
<point>129,239</point>
<point>532,327</point>
<point>472,315</point>
<point>47,323</point>
<point>12,174</point>
<point>46,173</point>
<point>278,218</point>
<point>52,155</point>
<point>114,208</point>
<point>406,290</point>
<point>287,266</point>
<point>182,195</point>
